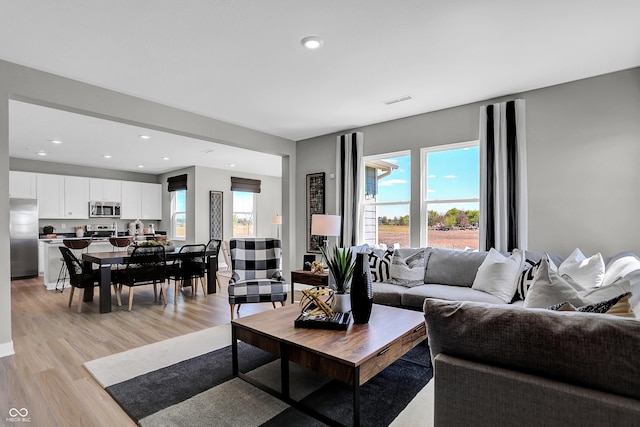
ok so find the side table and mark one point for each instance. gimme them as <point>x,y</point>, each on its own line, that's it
<point>308,278</point>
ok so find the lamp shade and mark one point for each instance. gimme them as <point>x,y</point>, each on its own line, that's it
<point>325,225</point>
<point>276,219</point>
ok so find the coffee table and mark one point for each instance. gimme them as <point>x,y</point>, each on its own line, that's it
<point>353,356</point>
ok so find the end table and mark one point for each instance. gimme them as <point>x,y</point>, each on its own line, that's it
<point>308,278</point>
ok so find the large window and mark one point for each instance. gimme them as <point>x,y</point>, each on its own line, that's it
<point>244,214</point>
<point>451,196</point>
<point>179,214</point>
<point>387,199</point>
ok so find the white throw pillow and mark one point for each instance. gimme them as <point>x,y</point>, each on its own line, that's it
<point>498,275</point>
<point>586,272</point>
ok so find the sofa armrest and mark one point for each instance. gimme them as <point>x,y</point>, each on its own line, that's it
<point>471,393</point>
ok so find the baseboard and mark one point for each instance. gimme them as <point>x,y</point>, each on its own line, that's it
<point>6,349</point>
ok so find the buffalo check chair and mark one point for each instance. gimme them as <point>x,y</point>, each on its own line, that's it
<point>256,275</point>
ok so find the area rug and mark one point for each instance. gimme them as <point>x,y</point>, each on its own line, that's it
<point>187,381</point>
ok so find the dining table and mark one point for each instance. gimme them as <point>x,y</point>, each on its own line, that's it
<point>105,260</point>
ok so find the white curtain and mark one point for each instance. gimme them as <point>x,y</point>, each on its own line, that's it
<point>503,176</point>
<point>350,187</point>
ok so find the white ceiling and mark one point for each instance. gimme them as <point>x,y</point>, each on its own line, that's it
<point>242,62</point>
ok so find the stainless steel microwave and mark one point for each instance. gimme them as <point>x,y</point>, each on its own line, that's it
<point>104,209</point>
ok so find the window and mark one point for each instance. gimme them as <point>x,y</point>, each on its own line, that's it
<point>179,214</point>
<point>244,214</point>
<point>450,208</point>
<point>387,199</point>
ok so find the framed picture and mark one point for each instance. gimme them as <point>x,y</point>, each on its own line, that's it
<point>315,205</point>
<point>215,215</point>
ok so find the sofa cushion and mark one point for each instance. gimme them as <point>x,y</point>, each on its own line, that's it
<point>415,296</point>
<point>455,268</point>
<point>387,294</point>
<point>498,275</point>
<point>591,350</point>
<point>407,267</point>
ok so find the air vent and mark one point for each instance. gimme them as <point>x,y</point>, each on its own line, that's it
<point>396,100</point>
<point>208,151</point>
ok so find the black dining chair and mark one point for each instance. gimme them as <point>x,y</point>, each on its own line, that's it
<point>189,266</point>
<point>78,278</point>
<point>212,251</point>
<point>147,265</point>
<point>75,245</point>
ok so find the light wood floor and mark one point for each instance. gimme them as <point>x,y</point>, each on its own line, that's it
<point>52,341</point>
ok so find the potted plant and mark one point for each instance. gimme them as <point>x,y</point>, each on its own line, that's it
<point>341,265</point>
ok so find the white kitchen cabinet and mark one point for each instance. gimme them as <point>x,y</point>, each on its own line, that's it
<point>131,195</point>
<point>50,191</point>
<point>151,197</point>
<point>22,185</point>
<point>141,200</point>
<point>62,196</point>
<point>105,190</point>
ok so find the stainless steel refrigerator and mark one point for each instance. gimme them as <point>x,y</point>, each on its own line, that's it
<point>23,229</point>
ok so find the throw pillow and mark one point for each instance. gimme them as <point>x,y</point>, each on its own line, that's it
<point>379,263</point>
<point>525,280</point>
<point>498,275</point>
<point>549,288</point>
<point>586,272</point>
<point>617,306</point>
<point>407,267</point>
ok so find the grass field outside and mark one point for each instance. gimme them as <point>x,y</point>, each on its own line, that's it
<point>450,239</point>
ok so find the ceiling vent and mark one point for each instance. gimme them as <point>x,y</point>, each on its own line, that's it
<point>396,100</point>
<point>208,151</point>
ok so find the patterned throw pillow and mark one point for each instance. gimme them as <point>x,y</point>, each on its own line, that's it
<point>379,263</point>
<point>618,306</point>
<point>526,278</point>
<point>407,267</point>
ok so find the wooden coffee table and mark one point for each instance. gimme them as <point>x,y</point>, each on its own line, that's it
<point>353,356</point>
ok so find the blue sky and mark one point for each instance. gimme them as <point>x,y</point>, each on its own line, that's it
<point>452,174</point>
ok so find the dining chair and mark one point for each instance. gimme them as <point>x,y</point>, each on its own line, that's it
<point>146,266</point>
<point>78,278</point>
<point>256,275</point>
<point>76,245</point>
<point>212,250</point>
<point>189,265</point>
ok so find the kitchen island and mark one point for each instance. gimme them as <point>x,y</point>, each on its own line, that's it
<point>53,258</point>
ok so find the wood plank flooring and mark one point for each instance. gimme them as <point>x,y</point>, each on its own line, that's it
<point>52,341</point>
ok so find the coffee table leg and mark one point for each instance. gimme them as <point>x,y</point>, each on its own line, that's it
<point>284,370</point>
<point>234,351</point>
<point>356,397</point>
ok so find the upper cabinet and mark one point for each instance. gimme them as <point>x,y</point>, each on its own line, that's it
<point>22,185</point>
<point>141,200</point>
<point>62,196</point>
<point>105,190</point>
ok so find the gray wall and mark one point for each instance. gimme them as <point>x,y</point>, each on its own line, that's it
<point>29,85</point>
<point>583,145</point>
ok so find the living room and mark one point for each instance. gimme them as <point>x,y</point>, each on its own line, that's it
<point>582,142</point>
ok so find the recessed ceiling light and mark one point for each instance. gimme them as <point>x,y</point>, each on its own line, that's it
<point>232,165</point>
<point>144,137</point>
<point>312,42</point>
<point>56,141</point>
<point>165,158</point>
<point>41,153</point>
<point>140,166</point>
<point>106,156</point>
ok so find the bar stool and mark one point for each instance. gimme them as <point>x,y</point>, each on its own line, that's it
<point>74,245</point>
<point>120,242</point>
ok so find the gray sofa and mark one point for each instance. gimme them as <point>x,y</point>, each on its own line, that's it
<point>449,275</point>
<point>500,365</point>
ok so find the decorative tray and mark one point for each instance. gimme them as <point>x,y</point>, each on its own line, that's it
<point>338,321</point>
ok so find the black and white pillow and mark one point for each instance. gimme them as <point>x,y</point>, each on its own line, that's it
<point>379,265</point>
<point>526,278</point>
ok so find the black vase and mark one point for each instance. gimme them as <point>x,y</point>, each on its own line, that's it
<point>361,290</point>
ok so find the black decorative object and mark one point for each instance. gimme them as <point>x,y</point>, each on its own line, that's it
<point>361,290</point>
<point>315,205</point>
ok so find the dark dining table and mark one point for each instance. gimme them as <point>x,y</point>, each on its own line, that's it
<point>106,259</point>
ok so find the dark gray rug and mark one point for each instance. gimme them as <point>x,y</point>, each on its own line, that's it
<point>202,391</point>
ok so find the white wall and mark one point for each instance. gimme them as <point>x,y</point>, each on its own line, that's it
<point>583,146</point>
<point>29,85</point>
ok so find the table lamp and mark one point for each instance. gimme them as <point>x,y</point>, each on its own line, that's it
<point>277,220</point>
<point>326,225</point>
